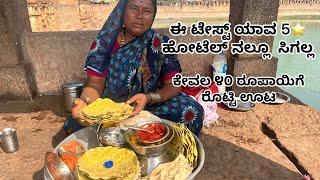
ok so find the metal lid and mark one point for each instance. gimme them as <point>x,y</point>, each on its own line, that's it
<point>73,85</point>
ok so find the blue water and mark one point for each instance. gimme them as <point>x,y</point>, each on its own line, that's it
<point>298,63</point>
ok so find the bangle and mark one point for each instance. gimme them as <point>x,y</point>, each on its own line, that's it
<point>86,99</point>
<point>154,98</point>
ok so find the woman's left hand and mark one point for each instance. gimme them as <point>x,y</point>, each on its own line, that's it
<point>140,101</point>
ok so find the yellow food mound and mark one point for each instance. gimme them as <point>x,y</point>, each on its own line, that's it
<point>125,164</point>
<point>106,111</point>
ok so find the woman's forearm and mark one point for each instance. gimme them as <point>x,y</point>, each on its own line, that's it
<point>93,89</point>
<point>168,91</point>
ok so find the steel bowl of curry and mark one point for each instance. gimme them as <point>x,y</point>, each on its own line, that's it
<point>152,141</point>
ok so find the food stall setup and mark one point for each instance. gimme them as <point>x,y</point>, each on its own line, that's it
<point>118,147</point>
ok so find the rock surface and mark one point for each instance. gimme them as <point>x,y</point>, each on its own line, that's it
<point>297,129</point>
<point>236,148</point>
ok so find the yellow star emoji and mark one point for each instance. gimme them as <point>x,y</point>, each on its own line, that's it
<point>298,30</point>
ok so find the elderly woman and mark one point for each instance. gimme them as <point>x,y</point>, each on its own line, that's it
<point>125,64</point>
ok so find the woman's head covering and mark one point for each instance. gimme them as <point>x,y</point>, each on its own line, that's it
<point>102,46</point>
<point>124,66</point>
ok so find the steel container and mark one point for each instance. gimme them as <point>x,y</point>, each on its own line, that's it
<point>71,91</point>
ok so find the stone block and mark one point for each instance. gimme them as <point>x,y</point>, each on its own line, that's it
<point>235,16</point>
<point>256,12</point>
<point>259,12</point>
<point>252,66</point>
<point>42,17</point>
<point>56,58</point>
<point>14,84</point>
<point>67,2</point>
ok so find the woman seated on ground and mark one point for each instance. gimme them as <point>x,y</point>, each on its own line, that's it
<point>125,64</point>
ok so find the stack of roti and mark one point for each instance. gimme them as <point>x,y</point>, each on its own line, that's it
<point>125,164</point>
<point>184,143</point>
<point>105,111</point>
<point>179,169</point>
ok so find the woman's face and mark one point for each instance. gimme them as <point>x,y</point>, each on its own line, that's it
<point>138,16</point>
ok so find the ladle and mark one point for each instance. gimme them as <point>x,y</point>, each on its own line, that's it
<point>137,128</point>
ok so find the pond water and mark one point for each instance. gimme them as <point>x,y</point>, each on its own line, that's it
<point>298,63</point>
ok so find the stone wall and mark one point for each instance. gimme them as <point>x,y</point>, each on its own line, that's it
<point>49,15</point>
<point>52,16</point>
<point>56,57</point>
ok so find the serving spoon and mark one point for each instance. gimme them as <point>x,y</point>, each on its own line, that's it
<point>137,128</point>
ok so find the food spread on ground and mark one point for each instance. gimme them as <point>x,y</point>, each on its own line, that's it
<point>105,111</point>
<point>125,163</point>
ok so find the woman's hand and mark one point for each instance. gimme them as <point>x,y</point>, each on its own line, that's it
<point>92,91</point>
<point>78,104</point>
<point>140,101</point>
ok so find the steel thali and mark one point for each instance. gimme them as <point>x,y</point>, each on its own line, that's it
<point>88,137</point>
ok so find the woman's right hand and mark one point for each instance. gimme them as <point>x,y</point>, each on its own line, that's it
<point>78,104</point>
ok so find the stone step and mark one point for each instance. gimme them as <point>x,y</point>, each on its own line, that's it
<point>14,83</point>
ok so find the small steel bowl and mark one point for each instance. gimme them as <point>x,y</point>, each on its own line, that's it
<point>281,98</point>
<point>159,140</point>
<point>149,150</point>
<point>242,106</point>
<point>112,136</point>
<point>55,168</point>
